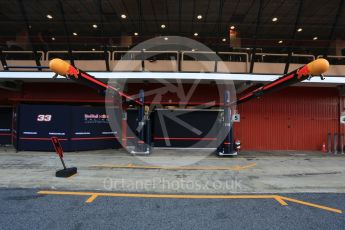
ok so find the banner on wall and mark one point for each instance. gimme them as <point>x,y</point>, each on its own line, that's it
<point>5,125</point>
<point>36,124</point>
<point>77,127</point>
<point>91,130</point>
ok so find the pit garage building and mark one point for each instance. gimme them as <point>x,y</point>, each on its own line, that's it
<point>254,46</point>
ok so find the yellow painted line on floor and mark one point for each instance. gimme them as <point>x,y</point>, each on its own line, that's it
<point>132,166</point>
<point>280,199</point>
<point>311,204</point>
<point>144,195</point>
<point>91,198</point>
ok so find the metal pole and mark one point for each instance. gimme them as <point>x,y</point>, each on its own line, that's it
<point>329,142</point>
<point>3,60</point>
<point>28,28</point>
<point>124,129</point>
<point>63,163</point>
<point>140,145</point>
<point>299,11</point>
<point>258,23</point>
<point>142,58</point>
<point>228,143</point>
<point>219,30</point>
<point>148,136</point>
<point>66,32</point>
<point>335,143</point>
<point>105,48</point>
<point>140,9</point>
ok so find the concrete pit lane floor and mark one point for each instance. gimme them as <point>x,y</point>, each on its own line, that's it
<point>114,190</point>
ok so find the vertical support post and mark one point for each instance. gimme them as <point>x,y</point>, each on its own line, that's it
<point>294,34</point>
<point>66,32</point>
<point>105,48</point>
<point>215,66</point>
<point>141,117</point>
<point>140,9</point>
<point>142,59</point>
<point>31,40</point>
<point>341,142</point>
<point>124,129</point>
<point>148,136</point>
<point>179,33</point>
<point>179,61</point>
<point>227,146</point>
<point>329,143</point>
<point>15,127</point>
<point>179,16</point>
<point>140,145</point>
<point>3,60</point>
<point>335,143</point>
<point>219,30</point>
<point>258,23</point>
<point>228,143</point>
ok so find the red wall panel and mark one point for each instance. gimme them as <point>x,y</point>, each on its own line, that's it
<point>53,92</point>
<point>296,118</point>
<point>5,95</point>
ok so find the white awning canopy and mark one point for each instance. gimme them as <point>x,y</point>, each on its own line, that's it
<point>38,76</point>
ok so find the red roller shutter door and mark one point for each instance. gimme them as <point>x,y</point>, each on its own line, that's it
<point>296,118</point>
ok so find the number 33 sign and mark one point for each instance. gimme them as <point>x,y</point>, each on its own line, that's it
<point>45,118</point>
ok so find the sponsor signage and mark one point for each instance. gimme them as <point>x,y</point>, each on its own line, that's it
<point>76,127</point>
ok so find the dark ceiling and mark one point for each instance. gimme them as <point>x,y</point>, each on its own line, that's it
<point>322,19</point>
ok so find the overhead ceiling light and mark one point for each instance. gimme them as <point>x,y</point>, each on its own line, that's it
<point>94,26</point>
<point>224,39</point>
<point>274,19</point>
<point>93,49</point>
<point>75,34</point>
<point>232,27</point>
<point>199,16</point>
<point>193,50</point>
<point>196,34</point>
<point>280,42</point>
<point>136,34</point>
<point>166,38</point>
<point>163,26</point>
<point>315,38</point>
<point>123,16</point>
<point>49,16</point>
<point>53,39</point>
<point>299,30</point>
